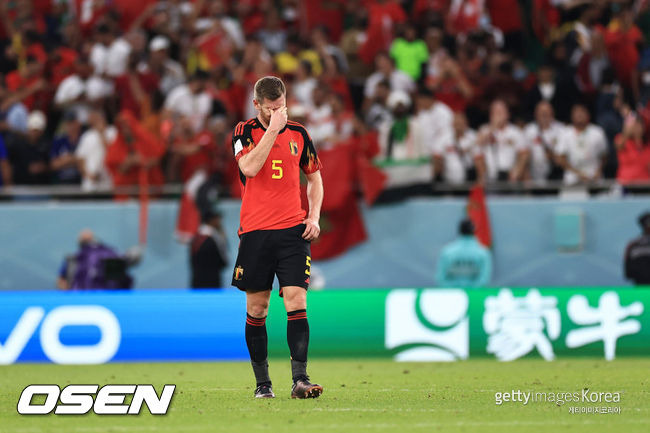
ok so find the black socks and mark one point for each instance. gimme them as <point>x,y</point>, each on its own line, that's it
<point>257,342</point>
<point>298,339</point>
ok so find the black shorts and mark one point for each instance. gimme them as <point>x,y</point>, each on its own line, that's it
<point>266,253</point>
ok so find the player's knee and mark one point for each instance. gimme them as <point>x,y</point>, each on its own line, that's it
<point>295,300</point>
<point>258,309</point>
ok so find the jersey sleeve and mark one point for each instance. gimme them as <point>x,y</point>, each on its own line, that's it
<point>309,162</point>
<point>242,141</point>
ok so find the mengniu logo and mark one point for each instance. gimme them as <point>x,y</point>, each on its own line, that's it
<point>239,273</point>
<point>427,325</point>
<point>293,146</point>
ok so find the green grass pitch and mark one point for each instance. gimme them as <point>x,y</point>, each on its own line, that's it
<point>359,396</point>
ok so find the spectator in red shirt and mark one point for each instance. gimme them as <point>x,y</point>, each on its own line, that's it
<point>135,88</point>
<point>134,156</point>
<point>383,16</point>
<point>28,80</point>
<point>452,87</point>
<point>463,16</point>
<point>545,18</point>
<point>623,39</point>
<point>61,64</point>
<point>191,151</point>
<point>633,153</point>
<point>506,16</point>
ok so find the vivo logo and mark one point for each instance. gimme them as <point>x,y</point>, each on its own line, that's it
<point>109,400</point>
<point>51,325</point>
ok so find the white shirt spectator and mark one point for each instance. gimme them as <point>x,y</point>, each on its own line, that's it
<point>182,101</point>
<point>399,81</point>
<point>435,126</point>
<point>111,60</point>
<point>411,143</point>
<point>321,125</point>
<point>407,163</point>
<point>73,88</point>
<point>70,89</point>
<point>98,56</point>
<point>117,57</point>
<point>500,152</point>
<point>583,150</point>
<point>539,140</point>
<point>92,151</point>
<point>458,155</point>
<point>302,90</point>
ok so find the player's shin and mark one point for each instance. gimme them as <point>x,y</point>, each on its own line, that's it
<point>298,339</point>
<point>257,342</point>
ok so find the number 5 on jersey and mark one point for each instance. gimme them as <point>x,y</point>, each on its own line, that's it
<point>277,169</point>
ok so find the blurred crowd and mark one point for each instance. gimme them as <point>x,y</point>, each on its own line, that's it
<point>110,93</point>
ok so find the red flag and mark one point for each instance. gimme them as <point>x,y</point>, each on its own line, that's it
<point>188,219</point>
<point>341,229</point>
<point>372,180</point>
<point>478,213</point>
<point>341,223</point>
<point>338,175</point>
<point>143,220</point>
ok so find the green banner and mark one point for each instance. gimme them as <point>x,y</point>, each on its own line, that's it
<point>454,324</point>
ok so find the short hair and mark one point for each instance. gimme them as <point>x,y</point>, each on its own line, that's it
<point>270,88</point>
<point>466,227</point>
<point>644,220</point>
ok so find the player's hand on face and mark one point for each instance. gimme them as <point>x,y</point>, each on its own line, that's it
<point>278,119</point>
<point>312,229</point>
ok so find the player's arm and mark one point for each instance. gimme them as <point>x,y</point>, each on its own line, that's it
<point>251,163</point>
<point>315,196</point>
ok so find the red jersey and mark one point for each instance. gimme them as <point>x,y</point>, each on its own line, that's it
<point>271,199</point>
<point>633,162</point>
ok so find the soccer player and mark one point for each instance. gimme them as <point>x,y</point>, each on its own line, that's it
<point>275,233</point>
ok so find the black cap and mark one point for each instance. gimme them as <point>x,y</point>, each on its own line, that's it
<point>644,220</point>
<point>466,227</point>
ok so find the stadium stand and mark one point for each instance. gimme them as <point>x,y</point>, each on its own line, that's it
<point>414,83</point>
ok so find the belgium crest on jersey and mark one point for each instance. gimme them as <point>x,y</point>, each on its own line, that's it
<point>293,146</point>
<point>239,273</point>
